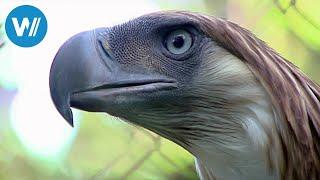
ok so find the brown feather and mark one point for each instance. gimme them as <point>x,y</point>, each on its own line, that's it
<point>294,95</point>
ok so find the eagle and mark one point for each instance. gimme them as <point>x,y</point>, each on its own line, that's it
<point>205,83</point>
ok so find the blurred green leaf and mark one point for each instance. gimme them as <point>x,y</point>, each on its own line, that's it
<point>1,36</point>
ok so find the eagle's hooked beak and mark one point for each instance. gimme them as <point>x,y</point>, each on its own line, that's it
<point>84,75</point>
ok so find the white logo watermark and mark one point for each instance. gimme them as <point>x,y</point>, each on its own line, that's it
<point>25,24</point>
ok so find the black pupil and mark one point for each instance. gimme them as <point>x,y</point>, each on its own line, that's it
<point>178,41</point>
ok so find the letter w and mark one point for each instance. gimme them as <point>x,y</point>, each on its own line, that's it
<point>25,24</point>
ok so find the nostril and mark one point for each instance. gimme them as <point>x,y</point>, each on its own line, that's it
<point>104,51</point>
<point>105,48</point>
<point>102,44</point>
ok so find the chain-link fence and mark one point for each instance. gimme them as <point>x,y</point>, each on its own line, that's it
<point>154,147</point>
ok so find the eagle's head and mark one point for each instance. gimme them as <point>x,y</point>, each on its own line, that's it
<point>202,82</point>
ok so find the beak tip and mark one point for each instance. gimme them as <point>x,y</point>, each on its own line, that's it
<point>71,123</point>
<point>68,116</point>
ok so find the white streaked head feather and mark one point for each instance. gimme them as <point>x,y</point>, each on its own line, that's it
<point>247,108</point>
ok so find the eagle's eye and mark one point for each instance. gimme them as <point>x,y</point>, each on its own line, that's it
<point>178,41</point>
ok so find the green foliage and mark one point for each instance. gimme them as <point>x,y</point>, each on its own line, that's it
<point>114,149</point>
<point>1,35</point>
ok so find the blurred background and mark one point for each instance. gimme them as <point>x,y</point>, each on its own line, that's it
<point>36,143</point>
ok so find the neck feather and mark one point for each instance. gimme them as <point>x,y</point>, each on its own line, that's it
<point>240,138</point>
